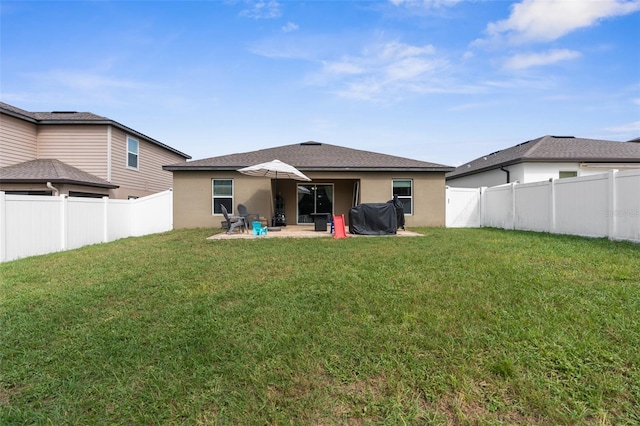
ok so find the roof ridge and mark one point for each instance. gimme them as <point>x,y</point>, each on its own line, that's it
<point>535,145</point>
<point>313,156</point>
<point>55,165</point>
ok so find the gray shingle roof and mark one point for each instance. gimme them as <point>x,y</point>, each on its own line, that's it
<point>73,117</point>
<point>554,149</point>
<point>54,116</point>
<point>50,170</point>
<point>313,156</point>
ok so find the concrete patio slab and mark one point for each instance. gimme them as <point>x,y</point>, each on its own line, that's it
<point>300,231</point>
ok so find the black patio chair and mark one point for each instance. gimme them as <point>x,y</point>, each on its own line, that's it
<point>248,217</point>
<point>233,222</point>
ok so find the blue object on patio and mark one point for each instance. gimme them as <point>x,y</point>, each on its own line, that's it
<point>257,228</point>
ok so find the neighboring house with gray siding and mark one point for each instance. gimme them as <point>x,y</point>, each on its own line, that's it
<point>340,179</point>
<point>79,154</point>
<point>548,157</point>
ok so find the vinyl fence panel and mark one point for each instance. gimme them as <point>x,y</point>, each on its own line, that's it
<point>581,205</point>
<point>533,205</point>
<point>498,207</point>
<point>626,212</point>
<point>85,221</point>
<point>152,214</point>
<point>119,219</point>
<point>34,225</point>
<point>30,225</point>
<point>602,205</point>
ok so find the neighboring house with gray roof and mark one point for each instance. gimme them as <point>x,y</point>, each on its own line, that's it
<point>79,154</point>
<point>548,157</point>
<point>340,178</point>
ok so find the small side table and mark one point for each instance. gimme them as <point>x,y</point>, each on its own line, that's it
<point>320,221</point>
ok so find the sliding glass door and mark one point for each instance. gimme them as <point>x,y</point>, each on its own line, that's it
<point>314,198</point>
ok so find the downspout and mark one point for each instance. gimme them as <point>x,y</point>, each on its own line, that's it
<point>55,190</point>
<point>508,174</point>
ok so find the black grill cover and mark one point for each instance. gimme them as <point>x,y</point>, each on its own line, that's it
<point>373,219</point>
<point>399,210</point>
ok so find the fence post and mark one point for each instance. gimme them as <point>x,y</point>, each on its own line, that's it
<point>552,204</point>
<point>3,226</point>
<point>483,213</point>
<point>612,219</point>
<point>64,212</point>
<point>105,217</point>
<point>513,206</point>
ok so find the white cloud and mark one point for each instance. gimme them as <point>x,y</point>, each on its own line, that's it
<point>633,127</point>
<point>394,59</point>
<point>425,3</point>
<point>290,26</point>
<point>343,68</point>
<point>410,68</point>
<point>87,81</point>
<point>399,50</point>
<point>262,10</point>
<point>527,60</point>
<point>384,70</point>
<point>547,20</point>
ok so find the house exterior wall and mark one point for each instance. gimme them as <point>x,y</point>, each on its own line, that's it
<point>149,178</point>
<point>99,149</point>
<point>428,195</point>
<point>193,202</point>
<point>489,178</point>
<point>536,172</point>
<point>18,139</point>
<point>523,173</point>
<point>192,192</point>
<point>80,146</point>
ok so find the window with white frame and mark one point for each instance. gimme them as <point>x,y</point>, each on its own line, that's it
<point>403,188</point>
<point>567,174</point>
<point>132,152</point>
<point>222,193</point>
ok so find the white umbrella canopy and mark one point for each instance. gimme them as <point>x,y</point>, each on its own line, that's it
<point>274,169</point>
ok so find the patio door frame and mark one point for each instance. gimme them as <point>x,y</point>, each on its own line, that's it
<point>332,200</point>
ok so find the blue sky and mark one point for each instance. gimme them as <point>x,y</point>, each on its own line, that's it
<point>444,81</point>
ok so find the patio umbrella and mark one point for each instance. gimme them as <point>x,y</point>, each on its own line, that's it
<point>274,169</point>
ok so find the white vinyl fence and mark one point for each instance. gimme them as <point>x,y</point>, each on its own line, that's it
<point>603,205</point>
<point>32,225</point>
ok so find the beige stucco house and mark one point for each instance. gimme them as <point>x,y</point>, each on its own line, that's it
<point>340,179</point>
<point>79,154</point>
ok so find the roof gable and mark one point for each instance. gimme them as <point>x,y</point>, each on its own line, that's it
<point>553,149</point>
<point>313,156</point>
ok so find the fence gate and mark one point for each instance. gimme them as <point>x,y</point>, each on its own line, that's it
<point>463,208</point>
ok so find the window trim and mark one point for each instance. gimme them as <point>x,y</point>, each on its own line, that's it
<point>137,153</point>
<point>574,173</point>
<point>401,197</point>
<point>214,196</point>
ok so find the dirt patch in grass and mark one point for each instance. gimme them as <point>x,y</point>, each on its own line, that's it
<point>467,407</point>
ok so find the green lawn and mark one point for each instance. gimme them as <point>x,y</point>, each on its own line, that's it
<point>461,326</point>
